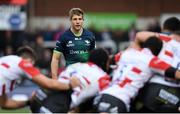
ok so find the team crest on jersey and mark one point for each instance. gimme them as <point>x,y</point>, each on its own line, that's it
<point>70,44</point>
<point>87,42</point>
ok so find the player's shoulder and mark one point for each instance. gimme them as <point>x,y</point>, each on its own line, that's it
<point>65,34</point>
<point>11,57</point>
<point>87,32</point>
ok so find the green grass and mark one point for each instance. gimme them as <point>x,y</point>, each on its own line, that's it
<point>22,110</point>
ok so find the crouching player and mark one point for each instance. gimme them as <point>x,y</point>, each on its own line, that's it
<point>135,68</point>
<point>92,78</point>
<point>16,67</point>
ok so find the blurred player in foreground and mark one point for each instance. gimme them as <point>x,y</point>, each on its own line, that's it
<point>135,67</point>
<point>15,67</point>
<point>153,97</point>
<point>92,76</point>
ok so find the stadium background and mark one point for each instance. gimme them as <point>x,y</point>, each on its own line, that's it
<point>38,23</point>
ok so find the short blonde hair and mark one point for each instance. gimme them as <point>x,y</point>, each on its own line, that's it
<point>75,11</point>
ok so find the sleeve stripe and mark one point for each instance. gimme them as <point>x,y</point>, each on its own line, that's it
<point>158,64</point>
<point>165,38</point>
<point>28,68</point>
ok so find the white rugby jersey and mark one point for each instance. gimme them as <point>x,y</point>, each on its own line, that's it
<point>170,53</point>
<point>92,80</point>
<point>13,68</point>
<point>134,70</point>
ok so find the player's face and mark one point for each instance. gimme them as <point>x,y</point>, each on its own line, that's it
<point>77,22</point>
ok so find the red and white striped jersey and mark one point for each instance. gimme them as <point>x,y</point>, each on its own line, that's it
<point>171,54</point>
<point>13,68</point>
<point>92,79</point>
<point>135,67</point>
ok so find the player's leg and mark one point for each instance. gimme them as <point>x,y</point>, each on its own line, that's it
<point>58,102</point>
<point>157,98</point>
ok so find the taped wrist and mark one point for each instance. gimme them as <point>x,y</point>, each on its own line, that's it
<point>170,72</point>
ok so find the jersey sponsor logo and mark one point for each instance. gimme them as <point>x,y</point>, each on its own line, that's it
<point>169,97</point>
<point>78,52</point>
<point>78,38</point>
<point>103,106</point>
<point>114,110</point>
<point>70,44</point>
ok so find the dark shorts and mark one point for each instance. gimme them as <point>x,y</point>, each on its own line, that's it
<point>109,104</point>
<point>56,102</point>
<point>157,98</point>
<point>86,106</point>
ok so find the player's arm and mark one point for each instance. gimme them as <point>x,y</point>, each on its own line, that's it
<point>35,75</point>
<point>143,36</point>
<point>55,63</point>
<point>7,103</point>
<point>164,68</point>
<point>49,83</point>
<point>172,72</point>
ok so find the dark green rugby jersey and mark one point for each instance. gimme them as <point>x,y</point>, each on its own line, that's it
<point>75,48</point>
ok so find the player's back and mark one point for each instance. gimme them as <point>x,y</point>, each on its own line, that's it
<point>133,71</point>
<point>170,53</point>
<point>9,67</point>
<point>9,73</point>
<point>90,76</point>
<point>86,72</point>
<point>132,59</point>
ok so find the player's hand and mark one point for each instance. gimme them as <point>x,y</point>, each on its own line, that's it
<point>32,96</point>
<point>179,109</point>
<point>74,82</point>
